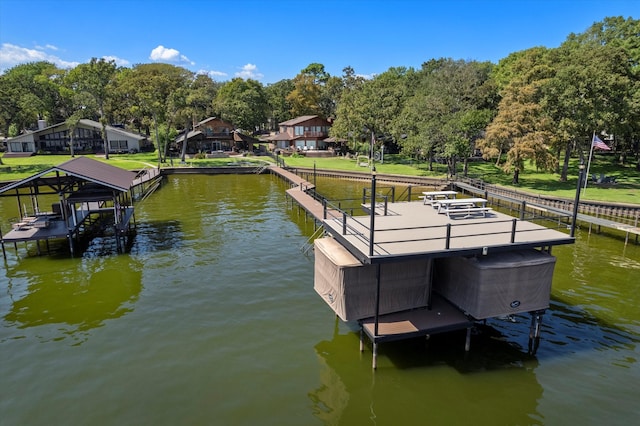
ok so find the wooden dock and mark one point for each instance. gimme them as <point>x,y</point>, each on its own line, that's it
<point>292,178</point>
<point>88,192</point>
<point>302,193</point>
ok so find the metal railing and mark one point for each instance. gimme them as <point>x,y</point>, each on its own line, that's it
<point>360,230</point>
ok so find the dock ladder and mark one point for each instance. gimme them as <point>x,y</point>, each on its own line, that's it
<point>307,247</point>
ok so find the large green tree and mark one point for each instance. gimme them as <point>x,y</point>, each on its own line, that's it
<point>624,34</point>
<point>189,104</point>
<point>146,91</point>
<point>315,92</point>
<point>590,92</point>
<point>279,108</point>
<point>522,128</point>
<point>371,107</point>
<point>452,102</point>
<point>95,78</point>
<point>30,92</point>
<point>243,103</point>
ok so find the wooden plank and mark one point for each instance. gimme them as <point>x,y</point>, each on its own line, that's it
<point>442,317</point>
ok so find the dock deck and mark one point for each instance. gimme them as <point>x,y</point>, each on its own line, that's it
<point>413,229</point>
<point>440,318</point>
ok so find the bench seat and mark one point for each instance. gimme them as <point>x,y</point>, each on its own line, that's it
<point>467,210</point>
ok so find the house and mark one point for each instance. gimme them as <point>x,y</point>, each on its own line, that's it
<point>307,132</point>
<point>210,135</point>
<point>87,139</point>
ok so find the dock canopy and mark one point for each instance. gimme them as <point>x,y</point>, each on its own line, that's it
<point>79,169</point>
<point>73,195</point>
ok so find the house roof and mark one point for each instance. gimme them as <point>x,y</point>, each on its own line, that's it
<point>240,137</point>
<point>206,120</point>
<point>97,125</point>
<point>279,137</point>
<point>298,120</point>
<point>87,169</point>
<point>190,135</point>
<point>86,123</point>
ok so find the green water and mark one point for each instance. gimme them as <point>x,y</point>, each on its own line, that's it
<point>212,319</point>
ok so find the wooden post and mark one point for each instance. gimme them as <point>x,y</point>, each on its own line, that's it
<point>375,355</point>
<point>4,253</point>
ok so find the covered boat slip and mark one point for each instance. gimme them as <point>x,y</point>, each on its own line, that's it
<point>479,266</point>
<point>86,191</point>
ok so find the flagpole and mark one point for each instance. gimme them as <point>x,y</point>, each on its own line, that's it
<point>586,179</point>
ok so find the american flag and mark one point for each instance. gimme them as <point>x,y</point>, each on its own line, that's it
<point>597,143</point>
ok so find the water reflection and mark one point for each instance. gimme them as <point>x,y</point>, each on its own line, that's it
<point>569,329</point>
<point>452,378</point>
<point>74,298</point>
<point>158,235</point>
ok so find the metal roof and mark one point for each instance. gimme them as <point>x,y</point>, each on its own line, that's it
<point>87,169</point>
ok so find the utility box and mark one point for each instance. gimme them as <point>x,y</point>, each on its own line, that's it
<point>349,287</point>
<point>497,284</point>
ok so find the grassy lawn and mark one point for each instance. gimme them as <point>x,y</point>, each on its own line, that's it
<point>20,168</point>
<point>626,190</point>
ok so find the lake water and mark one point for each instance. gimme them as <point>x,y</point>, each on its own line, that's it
<point>212,319</point>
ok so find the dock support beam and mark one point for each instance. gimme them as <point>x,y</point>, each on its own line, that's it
<point>467,343</point>
<point>534,331</point>
<point>375,355</point>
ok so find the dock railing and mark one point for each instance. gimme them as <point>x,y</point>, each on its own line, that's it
<point>445,233</point>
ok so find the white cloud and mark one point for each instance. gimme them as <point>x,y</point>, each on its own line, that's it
<point>249,71</point>
<point>213,74</point>
<point>119,61</point>
<point>46,47</point>
<point>11,55</point>
<point>164,54</point>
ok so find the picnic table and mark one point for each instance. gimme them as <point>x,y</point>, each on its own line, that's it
<point>430,197</point>
<point>465,206</point>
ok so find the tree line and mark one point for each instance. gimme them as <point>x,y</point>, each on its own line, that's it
<point>536,107</point>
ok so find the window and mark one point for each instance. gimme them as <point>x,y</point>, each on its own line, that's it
<point>118,145</point>
<point>299,131</point>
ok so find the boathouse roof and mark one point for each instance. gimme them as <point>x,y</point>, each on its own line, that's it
<point>86,169</point>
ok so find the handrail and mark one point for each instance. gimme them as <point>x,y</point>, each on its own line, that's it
<point>308,245</point>
<point>447,237</point>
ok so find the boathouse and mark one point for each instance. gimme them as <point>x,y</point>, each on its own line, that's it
<point>440,264</point>
<point>70,200</point>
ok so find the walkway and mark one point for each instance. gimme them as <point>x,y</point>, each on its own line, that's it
<point>292,178</point>
<point>559,208</point>
<point>298,192</point>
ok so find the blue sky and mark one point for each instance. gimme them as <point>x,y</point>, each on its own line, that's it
<point>269,40</point>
